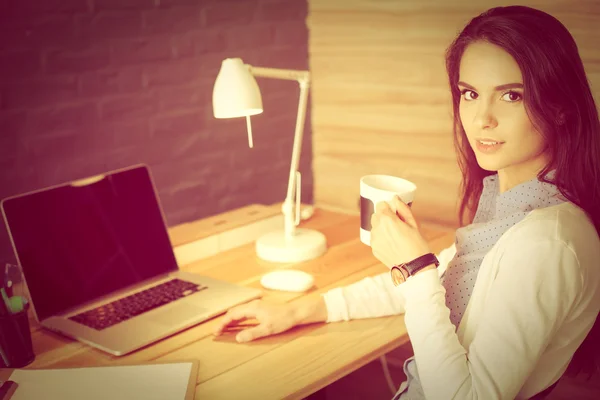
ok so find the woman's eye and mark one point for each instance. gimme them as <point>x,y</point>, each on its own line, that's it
<point>511,96</point>
<point>468,94</point>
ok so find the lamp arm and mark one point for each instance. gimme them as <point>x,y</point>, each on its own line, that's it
<point>290,205</point>
<point>278,73</point>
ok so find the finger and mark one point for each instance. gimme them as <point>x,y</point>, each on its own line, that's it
<point>382,207</point>
<point>374,220</point>
<point>257,332</point>
<point>224,324</point>
<point>405,212</point>
<point>239,326</point>
<point>235,315</point>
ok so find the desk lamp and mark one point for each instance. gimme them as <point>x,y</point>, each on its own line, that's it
<point>236,94</point>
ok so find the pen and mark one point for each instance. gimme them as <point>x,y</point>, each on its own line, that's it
<point>4,312</point>
<point>7,280</point>
<point>4,304</point>
<point>9,289</point>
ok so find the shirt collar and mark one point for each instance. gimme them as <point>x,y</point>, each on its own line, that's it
<point>524,197</point>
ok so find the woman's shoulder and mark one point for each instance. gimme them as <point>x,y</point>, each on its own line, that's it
<point>564,224</point>
<point>565,219</point>
<point>562,238</point>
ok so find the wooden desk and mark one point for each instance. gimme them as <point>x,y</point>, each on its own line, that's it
<point>290,365</point>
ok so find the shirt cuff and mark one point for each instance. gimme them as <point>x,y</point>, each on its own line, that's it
<point>335,303</point>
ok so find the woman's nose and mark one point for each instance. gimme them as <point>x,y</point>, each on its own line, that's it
<point>485,116</point>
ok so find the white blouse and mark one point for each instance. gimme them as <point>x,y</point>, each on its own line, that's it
<point>536,297</point>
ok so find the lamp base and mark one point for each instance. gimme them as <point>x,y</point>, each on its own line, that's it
<point>305,245</point>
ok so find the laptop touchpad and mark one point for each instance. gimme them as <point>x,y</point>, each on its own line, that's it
<point>176,315</point>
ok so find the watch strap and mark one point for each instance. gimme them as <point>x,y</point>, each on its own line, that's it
<point>400,273</point>
<point>419,263</point>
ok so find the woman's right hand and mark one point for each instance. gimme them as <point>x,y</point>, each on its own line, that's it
<point>272,318</point>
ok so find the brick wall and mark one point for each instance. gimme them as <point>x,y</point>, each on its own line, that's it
<point>88,86</point>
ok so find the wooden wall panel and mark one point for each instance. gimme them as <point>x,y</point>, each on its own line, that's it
<point>380,98</point>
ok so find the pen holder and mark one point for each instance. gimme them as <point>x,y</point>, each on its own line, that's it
<point>16,348</point>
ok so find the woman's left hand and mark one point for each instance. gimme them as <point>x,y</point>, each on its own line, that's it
<point>395,236</point>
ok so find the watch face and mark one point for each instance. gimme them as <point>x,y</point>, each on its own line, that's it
<point>399,274</point>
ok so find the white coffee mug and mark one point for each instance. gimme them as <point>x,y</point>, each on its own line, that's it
<point>377,188</point>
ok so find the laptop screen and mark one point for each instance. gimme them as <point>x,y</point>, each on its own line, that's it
<point>78,242</point>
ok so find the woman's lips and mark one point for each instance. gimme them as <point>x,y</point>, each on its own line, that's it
<point>488,146</point>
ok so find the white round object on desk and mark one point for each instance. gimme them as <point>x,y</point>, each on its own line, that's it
<point>289,280</point>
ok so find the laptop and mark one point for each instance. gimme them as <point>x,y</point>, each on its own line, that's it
<point>99,266</point>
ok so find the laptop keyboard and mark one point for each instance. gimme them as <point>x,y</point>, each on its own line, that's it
<point>128,307</point>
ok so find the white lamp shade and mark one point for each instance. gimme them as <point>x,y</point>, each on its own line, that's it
<point>236,93</point>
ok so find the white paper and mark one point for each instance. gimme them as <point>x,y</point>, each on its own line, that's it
<point>149,382</point>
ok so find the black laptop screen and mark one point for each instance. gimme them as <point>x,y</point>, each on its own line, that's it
<point>76,243</point>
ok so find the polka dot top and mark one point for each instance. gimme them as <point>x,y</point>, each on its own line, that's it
<point>496,213</point>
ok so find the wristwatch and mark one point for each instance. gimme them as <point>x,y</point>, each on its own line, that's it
<point>400,273</point>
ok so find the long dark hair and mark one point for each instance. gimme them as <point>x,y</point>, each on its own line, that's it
<point>559,103</point>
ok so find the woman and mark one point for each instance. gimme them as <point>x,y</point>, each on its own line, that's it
<point>513,299</point>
